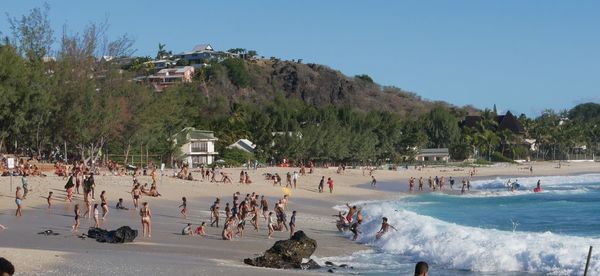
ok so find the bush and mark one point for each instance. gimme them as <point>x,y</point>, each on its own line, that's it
<point>235,157</point>
<point>498,157</point>
<point>364,77</point>
<point>237,72</point>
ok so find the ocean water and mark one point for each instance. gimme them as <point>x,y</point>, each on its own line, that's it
<point>491,231</point>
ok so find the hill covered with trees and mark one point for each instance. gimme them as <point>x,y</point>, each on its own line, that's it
<point>90,107</point>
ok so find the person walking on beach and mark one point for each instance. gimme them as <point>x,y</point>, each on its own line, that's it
<point>421,183</point>
<point>288,180</point>
<point>264,205</point>
<point>215,214</point>
<point>184,210</point>
<point>25,185</point>
<point>104,204</point>
<point>88,205</point>
<point>75,226</point>
<point>146,220</point>
<point>451,180</point>
<point>136,192</point>
<point>321,183</point>
<point>373,181</point>
<point>330,184</point>
<point>271,225</point>
<point>18,201</point>
<point>293,224</point>
<point>49,200</point>
<point>464,186</point>
<point>295,177</point>
<point>385,227</point>
<point>96,214</point>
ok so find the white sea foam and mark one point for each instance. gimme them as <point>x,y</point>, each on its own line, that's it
<point>453,246</point>
<point>530,182</point>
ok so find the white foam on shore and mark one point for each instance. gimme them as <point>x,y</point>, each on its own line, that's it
<point>531,181</point>
<point>453,246</point>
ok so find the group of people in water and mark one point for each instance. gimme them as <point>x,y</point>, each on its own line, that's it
<point>438,183</point>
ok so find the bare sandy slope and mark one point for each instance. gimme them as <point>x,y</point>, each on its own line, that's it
<point>168,252</point>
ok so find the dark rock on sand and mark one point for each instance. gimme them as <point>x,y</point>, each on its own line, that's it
<point>311,264</point>
<point>122,235</point>
<point>286,254</point>
<point>343,265</point>
<point>330,270</point>
<point>328,263</point>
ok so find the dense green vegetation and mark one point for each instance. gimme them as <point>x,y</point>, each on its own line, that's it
<point>289,110</point>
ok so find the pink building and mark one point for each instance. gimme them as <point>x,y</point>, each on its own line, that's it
<point>170,76</point>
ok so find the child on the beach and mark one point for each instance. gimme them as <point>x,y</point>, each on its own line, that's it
<point>271,225</point>
<point>96,213</point>
<point>184,209</point>
<point>293,223</point>
<point>330,184</point>
<point>187,230</point>
<point>200,231</point>
<point>75,226</point>
<point>49,200</point>
<point>120,205</point>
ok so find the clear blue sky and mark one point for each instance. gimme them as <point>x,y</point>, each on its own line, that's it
<point>525,56</point>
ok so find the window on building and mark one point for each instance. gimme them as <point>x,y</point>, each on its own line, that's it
<point>199,147</point>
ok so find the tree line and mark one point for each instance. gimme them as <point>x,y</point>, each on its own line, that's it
<point>88,107</point>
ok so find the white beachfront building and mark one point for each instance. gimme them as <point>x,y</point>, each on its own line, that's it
<point>197,146</point>
<point>243,144</point>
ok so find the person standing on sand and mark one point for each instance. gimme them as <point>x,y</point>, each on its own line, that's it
<point>146,220</point>
<point>295,179</point>
<point>96,214</point>
<point>75,226</point>
<point>421,183</point>
<point>104,204</point>
<point>293,224</point>
<point>288,180</point>
<point>464,186</point>
<point>18,201</point>
<point>321,183</point>
<point>373,181</point>
<point>49,200</point>
<point>136,192</point>
<point>451,180</point>
<point>330,184</point>
<point>271,225</point>
<point>25,185</point>
<point>385,227</point>
<point>264,205</point>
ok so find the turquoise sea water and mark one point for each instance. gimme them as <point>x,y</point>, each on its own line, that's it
<point>491,231</point>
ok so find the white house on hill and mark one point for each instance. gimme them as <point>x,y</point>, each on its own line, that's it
<point>197,146</point>
<point>243,144</point>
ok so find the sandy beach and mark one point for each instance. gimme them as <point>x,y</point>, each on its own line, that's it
<point>168,252</point>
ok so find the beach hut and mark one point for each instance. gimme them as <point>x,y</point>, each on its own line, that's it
<point>440,154</point>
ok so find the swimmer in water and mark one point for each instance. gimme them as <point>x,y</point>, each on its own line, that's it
<point>385,227</point>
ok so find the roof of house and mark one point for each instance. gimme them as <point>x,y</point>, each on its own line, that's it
<point>432,152</point>
<point>244,144</point>
<point>202,47</point>
<point>507,121</point>
<point>191,133</point>
<point>510,122</point>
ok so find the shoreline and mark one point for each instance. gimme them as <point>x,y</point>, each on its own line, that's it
<point>182,254</point>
